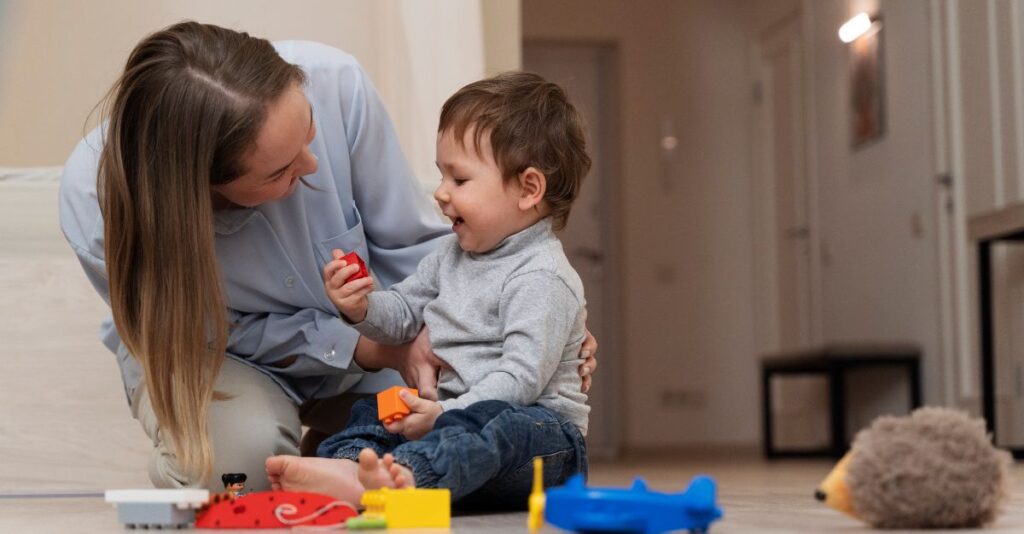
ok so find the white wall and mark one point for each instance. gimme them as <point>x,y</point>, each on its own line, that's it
<point>690,377</point>
<point>877,203</point>
<point>59,57</point>
<point>688,276</point>
<point>987,122</point>
<point>954,74</point>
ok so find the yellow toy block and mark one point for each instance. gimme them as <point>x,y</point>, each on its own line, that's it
<point>391,407</point>
<point>409,507</point>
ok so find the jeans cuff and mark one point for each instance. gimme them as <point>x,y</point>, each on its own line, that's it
<point>348,453</point>
<point>419,464</point>
<point>354,440</point>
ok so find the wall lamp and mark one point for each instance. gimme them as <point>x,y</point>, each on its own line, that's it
<point>857,26</point>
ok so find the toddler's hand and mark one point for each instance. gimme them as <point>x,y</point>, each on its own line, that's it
<point>421,419</point>
<point>349,298</point>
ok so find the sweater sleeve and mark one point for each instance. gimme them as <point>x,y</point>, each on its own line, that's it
<point>395,316</point>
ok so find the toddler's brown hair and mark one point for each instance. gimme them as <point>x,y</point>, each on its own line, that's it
<point>531,123</point>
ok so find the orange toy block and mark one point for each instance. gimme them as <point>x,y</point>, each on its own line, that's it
<point>390,407</point>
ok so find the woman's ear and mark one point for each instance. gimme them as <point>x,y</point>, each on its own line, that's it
<point>532,186</point>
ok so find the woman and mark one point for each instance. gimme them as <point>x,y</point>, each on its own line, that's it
<point>229,170</point>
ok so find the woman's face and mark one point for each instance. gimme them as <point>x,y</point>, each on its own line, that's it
<point>281,155</point>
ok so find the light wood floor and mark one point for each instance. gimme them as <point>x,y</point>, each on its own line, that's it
<point>64,424</point>
<point>755,496</point>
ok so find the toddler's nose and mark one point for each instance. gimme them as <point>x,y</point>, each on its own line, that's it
<point>440,195</point>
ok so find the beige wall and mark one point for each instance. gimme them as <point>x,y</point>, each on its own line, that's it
<point>502,34</point>
<point>687,282</point>
<point>58,57</point>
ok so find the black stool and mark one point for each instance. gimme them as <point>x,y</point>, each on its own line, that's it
<point>834,361</point>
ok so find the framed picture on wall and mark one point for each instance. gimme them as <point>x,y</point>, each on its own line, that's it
<point>867,87</point>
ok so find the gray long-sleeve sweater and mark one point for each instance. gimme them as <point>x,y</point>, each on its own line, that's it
<point>509,322</point>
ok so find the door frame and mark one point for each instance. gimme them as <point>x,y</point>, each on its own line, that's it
<point>958,352</point>
<point>764,238</point>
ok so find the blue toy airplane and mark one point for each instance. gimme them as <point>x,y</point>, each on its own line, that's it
<point>576,507</point>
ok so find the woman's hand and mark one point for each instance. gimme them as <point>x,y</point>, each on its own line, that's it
<point>418,365</point>
<point>415,361</point>
<point>588,354</point>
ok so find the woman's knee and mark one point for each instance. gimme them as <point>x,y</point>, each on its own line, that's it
<point>237,448</point>
<point>256,421</point>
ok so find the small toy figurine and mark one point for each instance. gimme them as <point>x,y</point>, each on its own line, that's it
<point>935,468</point>
<point>157,508</point>
<point>350,259</point>
<point>234,484</point>
<point>637,510</point>
<point>390,406</point>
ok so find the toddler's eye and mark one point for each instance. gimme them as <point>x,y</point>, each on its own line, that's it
<point>458,181</point>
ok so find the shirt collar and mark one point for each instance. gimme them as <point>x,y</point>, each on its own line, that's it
<point>519,240</point>
<point>227,222</point>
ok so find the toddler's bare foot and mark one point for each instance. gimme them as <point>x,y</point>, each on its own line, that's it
<point>401,474</point>
<point>326,476</point>
<point>375,472</point>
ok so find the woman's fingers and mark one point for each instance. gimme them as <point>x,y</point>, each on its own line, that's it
<point>588,354</point>
<point>425,375</point>
<point>423,365</point>
<point>589,348</point>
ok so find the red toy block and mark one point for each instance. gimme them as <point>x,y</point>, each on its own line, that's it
<point>391,407</point>
<point>273,509</point>
<point>353,258</point>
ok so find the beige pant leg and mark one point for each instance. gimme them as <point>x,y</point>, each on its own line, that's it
<point>260,420</point>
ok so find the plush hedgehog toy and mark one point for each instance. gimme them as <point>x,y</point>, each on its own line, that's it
<point>935,468</point>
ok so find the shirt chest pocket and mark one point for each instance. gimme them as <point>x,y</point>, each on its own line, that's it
<point>352,239</point>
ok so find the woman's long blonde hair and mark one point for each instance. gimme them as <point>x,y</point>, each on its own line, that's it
<point>188,107</point>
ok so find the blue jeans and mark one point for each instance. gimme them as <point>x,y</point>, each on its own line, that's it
<point>483,454</point>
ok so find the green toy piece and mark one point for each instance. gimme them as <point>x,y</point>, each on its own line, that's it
<point>366,523</point>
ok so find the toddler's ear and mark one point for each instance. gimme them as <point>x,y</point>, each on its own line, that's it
<point>532,186</point>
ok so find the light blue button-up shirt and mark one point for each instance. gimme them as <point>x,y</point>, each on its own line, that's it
<point>271,256</point>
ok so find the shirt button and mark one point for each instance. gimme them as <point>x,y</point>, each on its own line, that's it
<point>289,281</point>
<point>329,355</point>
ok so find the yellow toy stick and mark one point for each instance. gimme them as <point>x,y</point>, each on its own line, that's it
<point>535,520</point>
